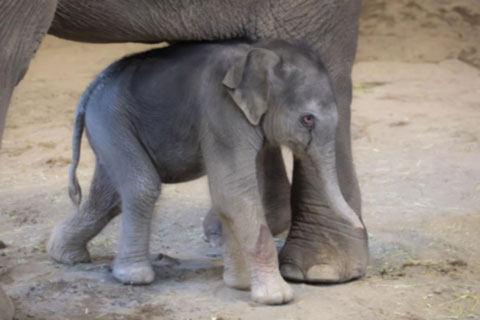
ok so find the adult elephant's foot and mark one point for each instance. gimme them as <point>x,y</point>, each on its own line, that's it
<point>65,248</point>
<point>6,306</point>
<point>322,248</point>
<point>137,273</point>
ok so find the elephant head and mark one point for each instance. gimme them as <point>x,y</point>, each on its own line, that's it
<point>286,91</point>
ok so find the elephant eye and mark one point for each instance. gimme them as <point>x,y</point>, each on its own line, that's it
<point>308,121</point>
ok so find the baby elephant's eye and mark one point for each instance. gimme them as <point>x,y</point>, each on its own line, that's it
<point>308,121</point>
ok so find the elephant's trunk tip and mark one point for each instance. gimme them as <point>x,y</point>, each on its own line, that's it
<point>325,165</point>
<point>354,220</point>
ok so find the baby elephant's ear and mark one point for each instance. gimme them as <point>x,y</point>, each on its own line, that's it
<point>247,82</point>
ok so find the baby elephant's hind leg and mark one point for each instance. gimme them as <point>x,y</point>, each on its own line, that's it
<point>140,188</point>
<point>68,242</point>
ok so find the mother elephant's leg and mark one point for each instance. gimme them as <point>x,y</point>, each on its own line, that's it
<point>321,247</point>
<point>23,24</point>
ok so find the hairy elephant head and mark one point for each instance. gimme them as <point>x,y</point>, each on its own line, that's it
<point>287,91</point>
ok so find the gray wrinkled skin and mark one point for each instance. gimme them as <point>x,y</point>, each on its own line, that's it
<point>174,114</point>
<point>320,246</point>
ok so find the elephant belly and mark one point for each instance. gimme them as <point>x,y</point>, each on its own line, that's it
<point>180,168</point>
<point>149,20</point>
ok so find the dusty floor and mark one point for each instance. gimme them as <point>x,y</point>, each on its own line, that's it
<point>416,128</point>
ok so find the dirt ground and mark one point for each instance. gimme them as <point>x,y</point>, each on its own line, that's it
<point>416,131</point>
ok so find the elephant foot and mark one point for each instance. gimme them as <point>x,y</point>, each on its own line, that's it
<point>271,289</point>
<point>323,249</point>
<point>66,251</point>
<point>137,273</point>
<point>6,306</point>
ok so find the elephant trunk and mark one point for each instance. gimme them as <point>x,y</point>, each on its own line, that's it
<point>322,160</point>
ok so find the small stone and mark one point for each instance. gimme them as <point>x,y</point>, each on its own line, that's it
<point>437,291</point>
<point>2,245</point>
<point>398,124</point>
<point>455,262</point>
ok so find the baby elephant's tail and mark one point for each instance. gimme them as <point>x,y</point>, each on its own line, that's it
<point>74,189</point>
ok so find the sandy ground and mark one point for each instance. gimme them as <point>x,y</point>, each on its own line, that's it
<point>416,131</point>
<point>420,30</point>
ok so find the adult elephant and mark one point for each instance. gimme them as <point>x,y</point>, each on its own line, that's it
<point>321,246</point>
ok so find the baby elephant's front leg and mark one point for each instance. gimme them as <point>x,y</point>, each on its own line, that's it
<point>268,283</point>
<point>255,243</point>
<point>235,195</point>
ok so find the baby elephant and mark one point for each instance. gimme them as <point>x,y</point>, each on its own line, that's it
<point>171,115</point>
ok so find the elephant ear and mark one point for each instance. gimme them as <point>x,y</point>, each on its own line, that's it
<point>248,82</point>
